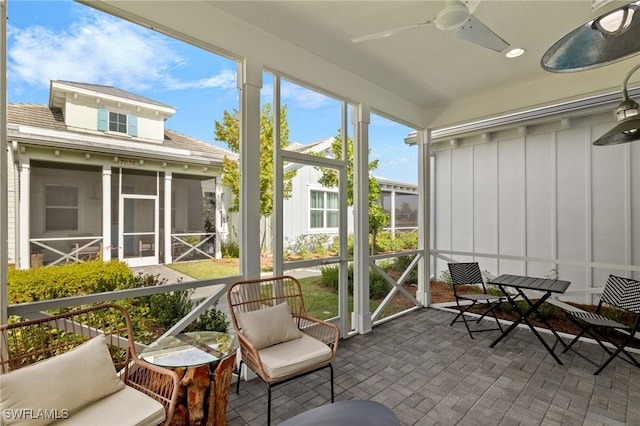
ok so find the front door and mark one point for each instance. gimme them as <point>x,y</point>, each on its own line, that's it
<point>138,230</point>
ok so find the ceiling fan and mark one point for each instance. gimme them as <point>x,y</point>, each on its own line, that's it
<point>456,15</point>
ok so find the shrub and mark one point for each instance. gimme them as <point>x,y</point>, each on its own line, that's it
<point>308,245</point>
<point>73,279</point>
<point>166,309</point>
<point>335,245</point>
<point>378,286</point>
<point>149,314</point>
<point>230,249</point>
<point>445,277</point>
<point>401,263</point>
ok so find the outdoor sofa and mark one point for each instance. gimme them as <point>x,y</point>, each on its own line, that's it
<point>81,368</point>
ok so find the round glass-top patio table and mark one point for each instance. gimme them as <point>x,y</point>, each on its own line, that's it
<point>190,349</point>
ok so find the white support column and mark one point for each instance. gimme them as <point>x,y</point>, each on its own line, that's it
<point>24,225</point>
<point>4,168</point>
<point>362,314</point>
<point>392,217</point>
<point>277,217</point>
<point>218,220</point>
<point>250,80</point>
<point>423,293</point>
<point>168,255</point>
<point>106,213</point>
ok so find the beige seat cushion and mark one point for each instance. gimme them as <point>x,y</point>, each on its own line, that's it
<point>125,407</point>
<point>65,382</point>
<point>269,326</point>
<point>285,358</point>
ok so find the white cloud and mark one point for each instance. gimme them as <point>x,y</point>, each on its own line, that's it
<point>101,49</point>
<point>226,79</point>
<point>304,98</point>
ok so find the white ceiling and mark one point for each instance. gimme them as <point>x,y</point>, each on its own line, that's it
<point>426,70</point>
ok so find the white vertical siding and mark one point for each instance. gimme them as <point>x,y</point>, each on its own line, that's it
<point>485,198</point>
<point>523,199</point>
<point>573,202</point>
<point>511,196</point>
<point>540,201</point>
<point>462,199</point>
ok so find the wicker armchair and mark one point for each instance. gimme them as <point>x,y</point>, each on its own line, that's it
<point>25,343</point>
<point>279,349</point>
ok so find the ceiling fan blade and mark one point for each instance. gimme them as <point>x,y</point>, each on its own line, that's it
<point>472,5</point>
<point>476,32</point>
<point>388,33</point>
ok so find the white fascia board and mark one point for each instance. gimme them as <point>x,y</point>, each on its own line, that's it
<point>39,136</point>
<point>169,111</point>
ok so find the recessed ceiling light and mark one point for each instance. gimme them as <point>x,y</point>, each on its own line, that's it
<point>514,53</point>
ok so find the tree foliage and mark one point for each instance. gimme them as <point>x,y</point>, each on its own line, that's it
<point>228,131</point>
<point>377,217</point>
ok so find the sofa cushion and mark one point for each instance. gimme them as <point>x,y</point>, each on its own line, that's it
<point>125,407</point>
<point>295,355</point>
<point>65,382</point>
<point>269,326</point>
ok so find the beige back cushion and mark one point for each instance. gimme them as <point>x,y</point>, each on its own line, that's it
<point>65,383</point>
<point>269,326</point>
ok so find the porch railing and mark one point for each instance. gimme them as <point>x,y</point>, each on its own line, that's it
<point>53,251</point>
<point>189,244</point>
<point>35,310</point>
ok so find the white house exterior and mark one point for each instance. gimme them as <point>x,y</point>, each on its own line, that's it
<point>313,208</point>
<point>96,173</point>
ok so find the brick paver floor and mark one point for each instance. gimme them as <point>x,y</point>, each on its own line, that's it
<point>429,373</point>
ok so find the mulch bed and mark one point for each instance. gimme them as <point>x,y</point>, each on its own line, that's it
<point>442,292</point>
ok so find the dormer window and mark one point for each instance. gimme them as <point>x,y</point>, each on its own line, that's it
<point>110,121</point>
<point>117,122</point>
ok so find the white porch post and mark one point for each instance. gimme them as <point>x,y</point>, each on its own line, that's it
<point>392,217</point>
<point>168,255</point>
<point>361,310</point>
<point>250,80</point>
<point>24,225</point>
<point>106,213</point>
<point>218,221</point>
<point>277,215</point>
<point>423,139</point>
<point>4,176</point>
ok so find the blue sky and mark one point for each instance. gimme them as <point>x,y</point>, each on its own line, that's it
<point>63,40</point>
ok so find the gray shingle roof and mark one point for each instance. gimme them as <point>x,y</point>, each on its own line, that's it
<point>36,115</point>
<point>110,90</point>
<point>42,116</point>
<point>179,140</point>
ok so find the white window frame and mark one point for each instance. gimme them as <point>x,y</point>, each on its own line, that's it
<point>75,208</point>
<point>117,123</point>
<point>324,210</point>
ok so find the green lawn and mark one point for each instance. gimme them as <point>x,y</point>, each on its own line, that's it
<point>320,302</point>
<point>203,269</point>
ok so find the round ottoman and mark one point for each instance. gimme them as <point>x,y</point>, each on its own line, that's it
<point>347,413</point>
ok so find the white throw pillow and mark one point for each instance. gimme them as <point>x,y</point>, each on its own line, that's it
<point>269,326</point>
<point>65,383</point>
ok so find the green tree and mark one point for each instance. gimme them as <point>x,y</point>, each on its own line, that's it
<point>228,131</point>
<point>377,217</point>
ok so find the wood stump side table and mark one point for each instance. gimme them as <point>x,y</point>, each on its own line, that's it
<point>204,361</point>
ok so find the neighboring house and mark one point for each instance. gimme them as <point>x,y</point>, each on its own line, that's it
<point>96,173</point>
<point>313,208</point>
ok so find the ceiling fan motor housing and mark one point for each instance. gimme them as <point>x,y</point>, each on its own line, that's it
<point>452,16</point>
